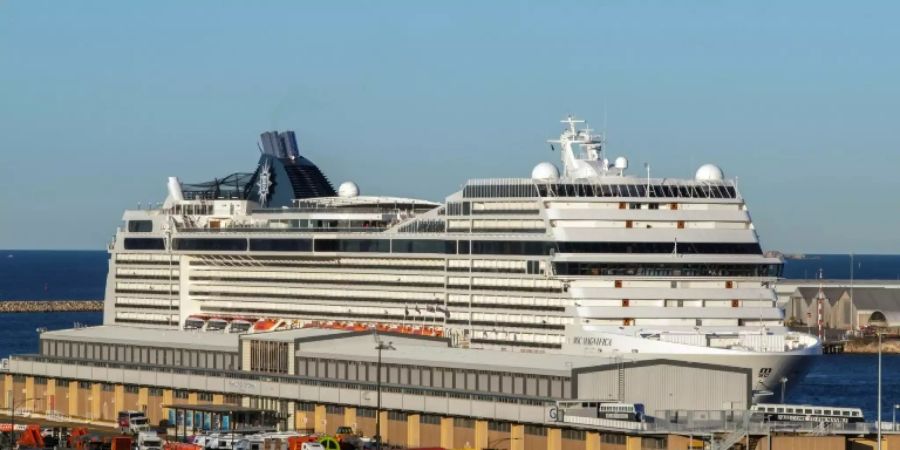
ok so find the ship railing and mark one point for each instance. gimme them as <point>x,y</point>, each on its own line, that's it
<point>330,209</point>
<point>281,230</point>
<point>749,422</point>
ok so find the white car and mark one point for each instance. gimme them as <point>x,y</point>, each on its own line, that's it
<point>311,446</point>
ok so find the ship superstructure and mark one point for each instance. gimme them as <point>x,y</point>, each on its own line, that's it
<point>591,260</point>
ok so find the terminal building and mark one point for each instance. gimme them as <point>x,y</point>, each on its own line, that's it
<point>432,394</point>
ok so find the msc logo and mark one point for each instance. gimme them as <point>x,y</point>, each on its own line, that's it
<point>765,372</point>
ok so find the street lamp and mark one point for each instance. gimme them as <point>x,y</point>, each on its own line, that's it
<point>12,418</point>
<point>784,381</point>
<point>381,346</point>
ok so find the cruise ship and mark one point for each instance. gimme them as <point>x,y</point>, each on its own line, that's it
<point>582,259</point>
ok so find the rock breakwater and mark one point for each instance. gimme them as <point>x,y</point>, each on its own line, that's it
<point>18,306</point>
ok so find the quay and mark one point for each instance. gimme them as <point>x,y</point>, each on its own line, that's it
<point>419,393</point>
<point>19,306</point>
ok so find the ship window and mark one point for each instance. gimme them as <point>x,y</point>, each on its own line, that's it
<point>353,245</point>
<point>510,248</point>
<point>145,244</point>
<point>422,246</point>
<point>140,226</point>
<point>210,244</point>
<point>281,245</point>
<point>668,269</point>
<point>463,247</point>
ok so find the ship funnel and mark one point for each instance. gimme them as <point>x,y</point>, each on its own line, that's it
<point>280,145</point>
<point>175,189</point>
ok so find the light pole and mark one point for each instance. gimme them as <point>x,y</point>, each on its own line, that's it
<point>381,346</point>
<point>12,418</point>
<point>879,390</point>
<point>784,381</point>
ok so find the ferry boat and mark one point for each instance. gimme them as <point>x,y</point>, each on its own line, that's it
<point>589,259</point>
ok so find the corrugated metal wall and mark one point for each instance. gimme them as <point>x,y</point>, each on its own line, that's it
<point>664,386</point>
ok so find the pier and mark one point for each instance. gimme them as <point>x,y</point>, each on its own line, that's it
<point>21,306</point>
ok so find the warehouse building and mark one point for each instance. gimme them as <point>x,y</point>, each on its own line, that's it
<point>844,308</point>
<point>320,379</point>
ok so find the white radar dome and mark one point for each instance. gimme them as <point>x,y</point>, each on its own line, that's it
<point>545,171</point>
<point>348,189</point>
<point>621,163</point>
<point>709,172</point>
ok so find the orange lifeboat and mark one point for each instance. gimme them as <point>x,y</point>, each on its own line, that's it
<point>262,325</point>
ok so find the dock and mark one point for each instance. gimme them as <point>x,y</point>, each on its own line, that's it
<point>833,347</point>
<point>31,306</point>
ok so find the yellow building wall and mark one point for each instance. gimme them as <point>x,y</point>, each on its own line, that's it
<point>517,437</point>
<point>632,443</point>
<point>143,399</point>
<point>481,434</point>
<point>320,415</point>
<point>167,396</point>
<point>412,430</point>
<point>447,432</point>
<point>302,420</point>
<point>29,394</point>
<point>554,439</point>
<point>7,390</point>
<point>96,400</point>
<point>350,418</point>
<point>50,399</point>
<point>383,432</point>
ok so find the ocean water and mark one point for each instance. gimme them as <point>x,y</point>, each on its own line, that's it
<point>865,267</point>
<point>836,380</point>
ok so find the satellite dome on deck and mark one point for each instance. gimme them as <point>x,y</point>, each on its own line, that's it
<point>348,189</point>
<point>621,163</point>
<point>709,172</point>
<point>545,171</point>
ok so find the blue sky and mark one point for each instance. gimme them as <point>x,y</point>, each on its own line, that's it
<point>101,101</point>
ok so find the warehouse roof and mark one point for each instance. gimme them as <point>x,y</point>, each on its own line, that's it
<point>150,337</point>
<point>416,351</point>
<point>295,334</point>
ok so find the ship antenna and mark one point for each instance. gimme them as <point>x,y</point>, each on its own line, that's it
<point>647,166</point>
<point>604,121</point>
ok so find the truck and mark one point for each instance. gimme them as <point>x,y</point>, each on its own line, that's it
<point>133,422</point>
<point>148,440</point>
